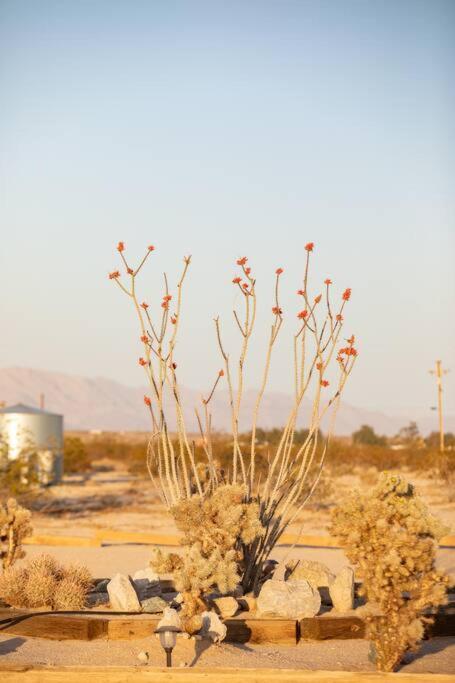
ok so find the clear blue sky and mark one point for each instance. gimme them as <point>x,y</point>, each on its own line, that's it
<point>221,129</point>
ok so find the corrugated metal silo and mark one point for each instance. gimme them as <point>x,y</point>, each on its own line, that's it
<point>24,428</point>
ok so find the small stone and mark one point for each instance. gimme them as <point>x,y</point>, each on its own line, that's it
<point>154,605</point>
<point>269,567</point>
<point>101,587</point>
<point>122,596</point>
<point>145,589</point>
<point>248,603</point>
<point>289,599</point>
<point>316,573</point>
<point>143,657</point>
<point>147,573</point>
<point>212,627</point>
<point>146,583</point>
<point>170,618</point>
<point>94,599</point>
<point>342,590</point>
<point>226,607</point>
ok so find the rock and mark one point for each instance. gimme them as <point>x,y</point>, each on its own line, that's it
<point>147,583</point>
<point>143,657</point>
<point>226,607</point>
<point>170,618</point>
<point>147,573</point>
<point>94,599</point>
<point>289,599</point>
<point>248,603</point>
<point>269,567</point>
<point>154,605</point>
<point>238,591</point>
<point>279,572</point>
<point>101,586</point>
<point>342,590</point>
<point>145,589</point>
<point>212,627</point>
<point>316,573</point>
<point>122,596</point>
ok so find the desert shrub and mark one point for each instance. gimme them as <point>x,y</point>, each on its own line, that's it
<point>391,538</point>
<point>14,527</point>
<point>214,530</point>
<point>44,582</point>
<point>21,475</point>
<point>76,458</point>
<point>119,448</point>
<point>366,435</point>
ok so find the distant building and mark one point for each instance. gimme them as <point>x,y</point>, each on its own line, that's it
<point>26,429</point>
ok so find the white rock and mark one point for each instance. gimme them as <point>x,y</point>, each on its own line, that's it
<point>279,572</point>
<point>316,573</point>
<point>289,599</point>
<point>122,596</point>
<point>143,657</point>
<point>227,607</point>
<point>147,573</point>
<point>170,618</point>
<point>212,627</point>
<point>342,590</point>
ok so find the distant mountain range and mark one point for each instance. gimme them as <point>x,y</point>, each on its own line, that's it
<point>101,403</point>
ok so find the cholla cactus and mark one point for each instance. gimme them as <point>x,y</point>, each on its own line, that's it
<point>14,527</point>
<point>391,537</point>
<point>214,530</point>
<point>44,582</point>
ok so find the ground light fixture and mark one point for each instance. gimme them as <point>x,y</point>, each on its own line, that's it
<point>168,639</point>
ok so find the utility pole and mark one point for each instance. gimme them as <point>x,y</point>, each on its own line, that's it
<point>439,372</point>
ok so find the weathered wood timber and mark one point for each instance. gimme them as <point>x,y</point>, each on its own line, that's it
<point>83,674</point>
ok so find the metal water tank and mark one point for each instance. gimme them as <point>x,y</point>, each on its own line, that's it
<point>24,428</point>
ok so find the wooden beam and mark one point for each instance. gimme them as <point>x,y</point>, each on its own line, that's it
<point>243,628</point>
<point>72,541</point>
<point>327,628</point>
<point>135,674</point>
<point>105,535</point>
<point>137,537</point>
<point>250,629</point>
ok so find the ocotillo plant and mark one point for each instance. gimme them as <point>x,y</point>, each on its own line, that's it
<point>294,470</point>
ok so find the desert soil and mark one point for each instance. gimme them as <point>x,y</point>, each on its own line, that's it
<point>435,656</point>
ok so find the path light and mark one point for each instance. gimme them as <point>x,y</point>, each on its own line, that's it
<point>168,639</point>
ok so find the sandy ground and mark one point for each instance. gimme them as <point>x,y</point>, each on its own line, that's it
<point>436,655</point>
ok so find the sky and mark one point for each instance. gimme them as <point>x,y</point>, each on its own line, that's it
<point>220,130</point>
